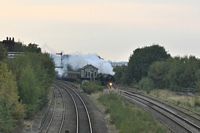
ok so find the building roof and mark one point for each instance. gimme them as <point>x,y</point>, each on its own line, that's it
<point>89,65</point>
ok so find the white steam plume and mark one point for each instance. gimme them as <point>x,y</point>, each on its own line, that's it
<point>79,61</point>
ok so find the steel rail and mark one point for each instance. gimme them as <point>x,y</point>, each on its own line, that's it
<point>82,101</point>
<point>51,117</point>
<point>76,110</point>
<point>165,109</point>
<point>47,112</point>
<point>53,114</point>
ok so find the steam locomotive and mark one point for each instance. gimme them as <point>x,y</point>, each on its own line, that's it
<point>105,78</point>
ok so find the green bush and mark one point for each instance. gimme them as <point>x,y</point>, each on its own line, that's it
<point>146,84</point>
<point>91,87</point>
<point>197,101</point>
<point>128,118</point>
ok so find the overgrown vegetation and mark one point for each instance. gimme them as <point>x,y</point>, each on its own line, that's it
<point>146,84</point>
<point>34,73</point>
<point>177,74</point>
<point>91,87</point>
<point>24,83</point>
<point>11,110</point>
<point>152,68</point>
<point>3,52</point>
<point>120,74</point>
<point>185,101</point>
<point>129,118</point>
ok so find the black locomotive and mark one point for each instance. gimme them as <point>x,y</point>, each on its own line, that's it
<point>105,78</point>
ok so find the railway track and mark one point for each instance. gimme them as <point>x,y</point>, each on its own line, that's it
<point>83,120</point>
<point>184,122</point>
<point>48,112</point>
<point>195,119</point>
<point>54,118</point>
<point>184,110</point>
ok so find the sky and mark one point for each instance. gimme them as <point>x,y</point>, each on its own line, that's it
<point>109,28</point>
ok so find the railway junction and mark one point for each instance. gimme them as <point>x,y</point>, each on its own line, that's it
<point>71,111</point>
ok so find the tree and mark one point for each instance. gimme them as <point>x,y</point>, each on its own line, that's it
<point>11,109</point>
<point>33,48</point>
<point>158,74</point>
<point>24,90</point>
<point>198,80</point>
<point>28,86</point>
<point>3,52</point>
<point>35,74</point>
<point>177,74</point>
<point>120,72</point>
<point>141,59</point>
<point>182,73</point>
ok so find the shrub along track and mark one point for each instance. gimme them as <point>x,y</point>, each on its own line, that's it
<point>83,120</point>
<point>177,121</point>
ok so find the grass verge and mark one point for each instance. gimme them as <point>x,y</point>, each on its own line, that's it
<point>128,118</point>
<point>190,102</point>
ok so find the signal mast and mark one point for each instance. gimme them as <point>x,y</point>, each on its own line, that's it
<point>61,60</point>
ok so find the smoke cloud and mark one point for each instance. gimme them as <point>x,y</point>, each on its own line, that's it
<point>78,61</point>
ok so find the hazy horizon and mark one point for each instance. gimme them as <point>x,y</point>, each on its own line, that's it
<point>111,29</point>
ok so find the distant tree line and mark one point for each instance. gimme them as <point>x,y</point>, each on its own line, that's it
<point>153,68</point>
<point>24,84</point>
